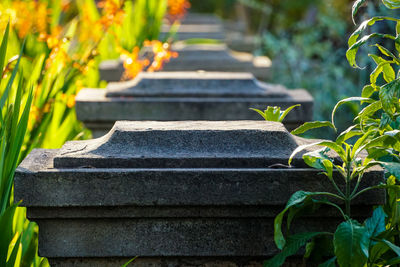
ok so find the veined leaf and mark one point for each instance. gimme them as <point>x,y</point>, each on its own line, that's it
<point>312,125</point>
<point>376,223</point>
<point>389,94</point>
<point>351,244</point>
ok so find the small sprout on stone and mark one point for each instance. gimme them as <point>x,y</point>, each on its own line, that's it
<point>274,113</point>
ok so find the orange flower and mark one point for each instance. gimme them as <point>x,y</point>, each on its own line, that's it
<point>162,53</point>
<point>30,17</point>
<point>113,12</point>
<point>132,64</point>
<point>69,100</point>
<point>177,9</point>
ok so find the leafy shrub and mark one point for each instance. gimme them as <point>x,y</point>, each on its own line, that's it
<point>376,132</point>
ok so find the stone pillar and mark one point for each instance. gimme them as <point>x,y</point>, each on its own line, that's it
<point>168,96</point>
<point>200,57</point>
<point>179,193</point>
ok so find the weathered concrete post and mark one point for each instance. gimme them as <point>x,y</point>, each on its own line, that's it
<point>168,96</point>
<point>205,57</point>
<point>179,193</point>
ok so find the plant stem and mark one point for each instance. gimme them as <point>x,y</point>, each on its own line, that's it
<point>347,199</point>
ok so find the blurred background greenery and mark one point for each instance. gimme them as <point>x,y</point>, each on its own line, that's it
<point>306,41</point>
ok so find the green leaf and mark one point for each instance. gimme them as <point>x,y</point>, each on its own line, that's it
<point>346,100</point>
<point>332,145</point>
<point>369,110</point>
<point>367,91</point>
<point>351,244</point>
<point>376,223</point>
<point>283,114</point>
<point>316,159</point>
<point>382,66</point>
<point>356,6</point>
<point>329,263</point>
<point>355,45</point>
<point>128,262</point>
<point>392,167</point>
<point>392,4</point>
<point>312,125</point>
<point>293,244</point>
<point>389,94</point>
<point>3,49</point>
<point>392,246</point>
<point>386,51</point>
<point>297,198</point>
<point>347,134</point>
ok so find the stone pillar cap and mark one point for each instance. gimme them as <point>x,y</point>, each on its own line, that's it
<point>183,144</point>
<point>194,84</point>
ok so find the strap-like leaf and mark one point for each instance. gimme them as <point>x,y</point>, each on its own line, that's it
<point>356,6</point>
<point>286,112</point>
<point>312,125</point>
<point>346,100</point>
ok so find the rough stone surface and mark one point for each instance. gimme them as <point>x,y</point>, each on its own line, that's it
<point>198,213</point>
<point>194,84</point>
<point>177,96</point>
<point>202,144</point>
<point>214,57</point>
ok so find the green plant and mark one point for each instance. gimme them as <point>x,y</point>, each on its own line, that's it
<point>374,139</point>
<point>274,113</point>
<point>18,239</point>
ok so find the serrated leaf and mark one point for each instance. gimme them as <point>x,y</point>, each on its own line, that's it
<point>351,244</point>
